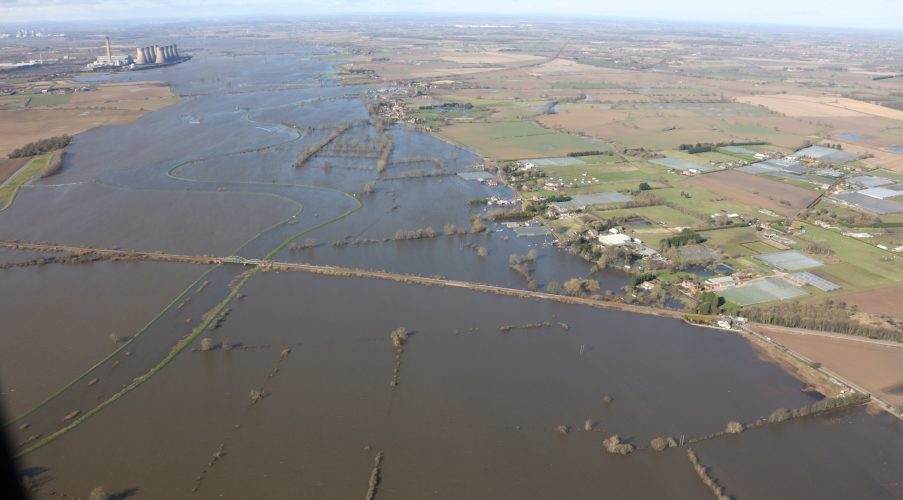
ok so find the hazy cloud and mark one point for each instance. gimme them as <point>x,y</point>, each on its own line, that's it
<point>845,13</point>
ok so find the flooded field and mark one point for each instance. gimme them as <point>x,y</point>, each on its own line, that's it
<point>233,382</point>
<point>471,401</point>
<point>63,316</point>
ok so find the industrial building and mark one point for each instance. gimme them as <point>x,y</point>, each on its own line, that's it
<point>145,57</point>
<point>157,54</point>
<point>109,60</point>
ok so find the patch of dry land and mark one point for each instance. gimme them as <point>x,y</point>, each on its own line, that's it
<point>886,301</point>
<point>820,106</point>
<point>878,368</point>
<point>106,104</point>
<point>756,191</point>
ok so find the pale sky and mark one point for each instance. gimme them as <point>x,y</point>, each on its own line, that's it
<point>840,13</point>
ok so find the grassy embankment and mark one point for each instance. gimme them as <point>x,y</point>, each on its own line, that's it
<point>30,171</point>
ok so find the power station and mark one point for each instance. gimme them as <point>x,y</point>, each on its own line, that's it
<point>145,57</point>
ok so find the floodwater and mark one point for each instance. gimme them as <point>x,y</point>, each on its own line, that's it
<point>475,411</point>
<point>58,319</point>
<point>473,415</point>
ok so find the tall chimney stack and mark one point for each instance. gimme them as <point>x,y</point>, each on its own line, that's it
<point>109,52</point>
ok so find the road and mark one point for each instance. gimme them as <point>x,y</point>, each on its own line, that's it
<point>267,265</point>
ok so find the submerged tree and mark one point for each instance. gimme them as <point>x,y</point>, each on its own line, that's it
<point>99,494</point>
<point>399,337</point>
<point>207,344</point>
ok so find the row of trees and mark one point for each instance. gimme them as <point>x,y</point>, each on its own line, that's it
<point>42,146</point>
<point>703,147</point>
<point>828,315</point>
<point>308,152</point>
<point>388,144</point>
<point>595,152</point>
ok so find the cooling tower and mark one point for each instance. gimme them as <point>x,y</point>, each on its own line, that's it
<point>175,50</point>
<point>168,52</point>
<point>139,56</point>
<point>158,55</point>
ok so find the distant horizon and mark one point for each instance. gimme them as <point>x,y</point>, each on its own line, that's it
<point>878,15</point>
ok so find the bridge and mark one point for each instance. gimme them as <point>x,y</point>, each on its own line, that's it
<point>237,259</point>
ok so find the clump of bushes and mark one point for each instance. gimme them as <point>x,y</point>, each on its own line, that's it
<point>476,225</point>
<point>256,395</point>
<point>399,337</point>
<point>615,446</point>
<point>734,427</point>
<point>779,415</point>
<point>207,344</point>
<point>663,443</point>
<point>576,287</point>
<point>686,237</point>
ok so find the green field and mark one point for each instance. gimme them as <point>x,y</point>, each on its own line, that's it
<point>863,265</point>
<point>759,247</point>
<point>38,100</point>
<point>705,202</point>
<point>611,169</point>
<point>517,140</point>
<point>731,240</point>
<point>887,174</point>
<point>750,129</point>
<point>656,215</point>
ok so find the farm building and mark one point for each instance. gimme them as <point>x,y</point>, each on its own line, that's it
<point>613,240</point>
<point>720,283</point>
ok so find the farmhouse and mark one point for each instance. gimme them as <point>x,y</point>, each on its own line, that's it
<point>720,283</point>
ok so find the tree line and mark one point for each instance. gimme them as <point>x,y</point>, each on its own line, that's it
<point>42,146</point>
<point>828,315</point>
<point>705,147</point>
